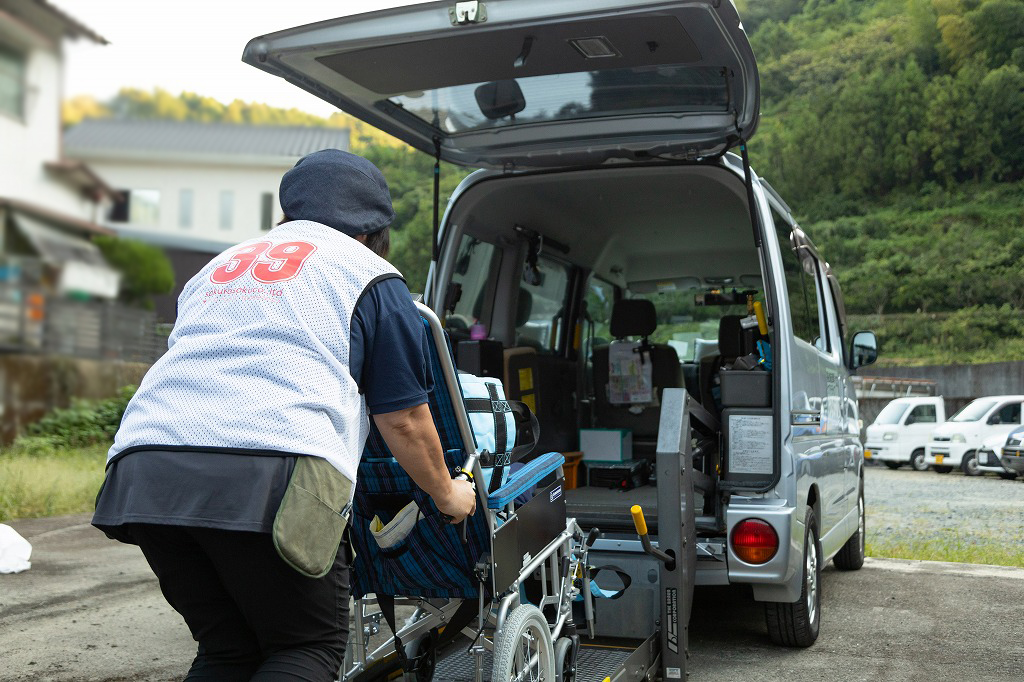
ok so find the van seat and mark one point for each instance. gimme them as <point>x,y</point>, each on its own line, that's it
<point>733,342</point>
<point>635,318</point>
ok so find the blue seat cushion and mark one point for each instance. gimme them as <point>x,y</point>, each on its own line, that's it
<point>523,480</point>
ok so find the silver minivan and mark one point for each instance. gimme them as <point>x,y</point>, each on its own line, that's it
<point>619,264</point>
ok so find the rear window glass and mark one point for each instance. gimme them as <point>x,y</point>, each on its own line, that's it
<point>559,97</point>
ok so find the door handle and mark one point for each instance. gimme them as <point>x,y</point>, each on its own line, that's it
<point>805,418</point>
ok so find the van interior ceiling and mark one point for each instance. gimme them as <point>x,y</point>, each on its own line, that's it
<point>687,249</point>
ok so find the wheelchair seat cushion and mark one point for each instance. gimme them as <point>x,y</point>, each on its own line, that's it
<point>524,479</point>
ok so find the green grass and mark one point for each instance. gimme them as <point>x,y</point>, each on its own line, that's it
<point>954,548</point>
<point>47,482</point>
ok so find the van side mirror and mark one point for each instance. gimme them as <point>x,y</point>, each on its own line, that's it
<point>499,99</point>
<point>863,349</point>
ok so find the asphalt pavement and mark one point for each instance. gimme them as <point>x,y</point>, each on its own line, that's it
<point>89,609</point>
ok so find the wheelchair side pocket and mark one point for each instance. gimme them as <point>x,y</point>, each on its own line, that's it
<point>429,561</point>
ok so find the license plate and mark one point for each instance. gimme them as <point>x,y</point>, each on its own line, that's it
<point>867,454</point>
<point>939,458</point>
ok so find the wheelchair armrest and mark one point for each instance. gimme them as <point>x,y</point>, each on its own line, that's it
<point>524,479</point>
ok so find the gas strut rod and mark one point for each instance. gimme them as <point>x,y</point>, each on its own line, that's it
<point>435,247</point>
<point>750,193</point>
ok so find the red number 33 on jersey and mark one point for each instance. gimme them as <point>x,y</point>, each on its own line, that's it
<point>268,262</point>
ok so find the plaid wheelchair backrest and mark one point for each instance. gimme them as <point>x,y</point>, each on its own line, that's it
<point>432,561</point>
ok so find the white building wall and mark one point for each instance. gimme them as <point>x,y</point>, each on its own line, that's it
<point>27,144</point>
<point>206,181</point>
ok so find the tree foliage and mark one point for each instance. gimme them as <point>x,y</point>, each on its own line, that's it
<point>136,104</point>
<point>863,99</point>
<point>894,127</point>
<point>145,269</point>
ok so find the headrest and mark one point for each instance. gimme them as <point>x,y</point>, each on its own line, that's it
<point>633,317</point>
<point>730,337</point>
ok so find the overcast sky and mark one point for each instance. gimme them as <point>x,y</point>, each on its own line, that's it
<point>193,45</point>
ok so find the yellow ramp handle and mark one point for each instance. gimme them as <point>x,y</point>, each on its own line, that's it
<point>762,323</point>
<point>638,519</point>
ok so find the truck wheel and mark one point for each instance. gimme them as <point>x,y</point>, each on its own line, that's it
<point>893,465</point>
<point>917,460</point>
<point>943,469</point>
<point>969,464</point>
<point>796,624</point>
<point>851,556</point>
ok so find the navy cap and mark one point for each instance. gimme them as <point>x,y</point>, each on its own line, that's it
<point>338,189</point>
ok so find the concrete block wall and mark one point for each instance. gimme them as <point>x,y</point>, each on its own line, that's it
<point>31,385</point>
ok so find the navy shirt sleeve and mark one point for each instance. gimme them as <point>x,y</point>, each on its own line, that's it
<point>388,350</point>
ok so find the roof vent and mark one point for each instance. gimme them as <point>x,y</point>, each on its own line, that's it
<point>594,47</point>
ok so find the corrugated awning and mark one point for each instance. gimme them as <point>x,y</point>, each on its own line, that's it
<point>83,268</point>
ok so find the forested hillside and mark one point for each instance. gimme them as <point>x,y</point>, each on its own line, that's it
<point>894,128</point>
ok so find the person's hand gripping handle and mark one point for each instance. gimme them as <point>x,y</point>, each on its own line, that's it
<point>464,475</point>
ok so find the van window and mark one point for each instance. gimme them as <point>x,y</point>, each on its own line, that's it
<point>922,414</point>
<point>476,266</point>
<point>802,289</point>
<point>1007,414</point>
<point>600,300</point>
<point>541,307</point>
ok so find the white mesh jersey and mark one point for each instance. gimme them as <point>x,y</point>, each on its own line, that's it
<point>259,356</point>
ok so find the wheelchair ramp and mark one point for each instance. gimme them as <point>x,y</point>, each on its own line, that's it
<point>593,665</point>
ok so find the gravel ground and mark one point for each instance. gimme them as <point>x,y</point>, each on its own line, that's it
<point>905,506</point>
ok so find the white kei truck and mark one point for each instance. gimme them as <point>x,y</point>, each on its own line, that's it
<point>956,443</point>
<point>901,431</point>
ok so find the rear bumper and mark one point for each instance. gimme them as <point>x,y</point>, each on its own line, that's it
<point>779,579</point>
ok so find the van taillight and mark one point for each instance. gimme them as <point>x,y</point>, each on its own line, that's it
<point>754,541</point>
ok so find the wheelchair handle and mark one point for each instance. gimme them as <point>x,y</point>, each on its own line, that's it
<point>465,474</point>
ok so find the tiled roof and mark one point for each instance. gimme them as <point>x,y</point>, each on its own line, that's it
<point>112,137</point>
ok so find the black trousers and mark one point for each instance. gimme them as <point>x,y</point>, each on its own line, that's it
<point>254,617</point>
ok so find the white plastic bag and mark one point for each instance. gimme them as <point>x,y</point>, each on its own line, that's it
<point>15,551</point>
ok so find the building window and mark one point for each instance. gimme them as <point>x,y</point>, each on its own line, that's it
<point>185,199</point>
<point>138,207</point>
<point>12,83</point>
<point>266,211</point>
<point>227,209</point>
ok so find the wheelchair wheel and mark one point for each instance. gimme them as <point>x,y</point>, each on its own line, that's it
<point>523,650</point>
<point>566,650</point>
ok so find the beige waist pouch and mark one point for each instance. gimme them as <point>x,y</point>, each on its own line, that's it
<point>311,520</point>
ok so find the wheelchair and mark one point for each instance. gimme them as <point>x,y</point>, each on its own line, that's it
<point>508,580</point>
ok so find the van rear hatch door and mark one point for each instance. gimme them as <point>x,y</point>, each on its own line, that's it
<point>533,83</point>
